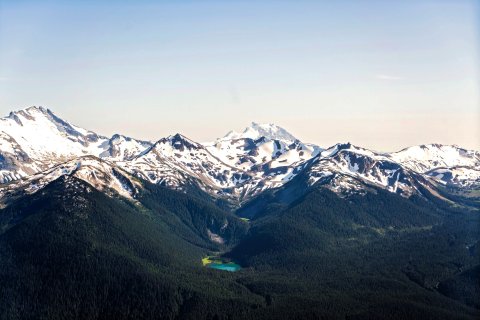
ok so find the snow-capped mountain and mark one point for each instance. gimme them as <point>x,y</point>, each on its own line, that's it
<point>256,131</point>
<point>448,164</point>
<point>345,168</point>
<point>266,151</point>
<point>177,162</point>
<point>36,147</point>
<point>260,147</point>
<point>428,157</point>
<point>101,175</point>
<point>121,148</point>
<point>35,139</point>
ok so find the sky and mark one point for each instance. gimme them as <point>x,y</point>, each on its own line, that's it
<point>380,74</point>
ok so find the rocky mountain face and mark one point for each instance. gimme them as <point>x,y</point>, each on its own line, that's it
<point>100,174</point>
<point>345,168</point>
<point>36,147</point>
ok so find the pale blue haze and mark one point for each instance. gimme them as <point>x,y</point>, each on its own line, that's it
<point>381,74</point>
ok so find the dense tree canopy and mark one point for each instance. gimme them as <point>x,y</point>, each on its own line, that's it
<point>70,251</point>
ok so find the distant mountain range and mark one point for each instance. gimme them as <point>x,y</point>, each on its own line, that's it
<point>36,145</point>
<point>95,227</point>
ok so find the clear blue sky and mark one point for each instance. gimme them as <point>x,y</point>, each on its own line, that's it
<point>381,74</point>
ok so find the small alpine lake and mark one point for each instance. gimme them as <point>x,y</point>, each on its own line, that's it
<point>220,264</point>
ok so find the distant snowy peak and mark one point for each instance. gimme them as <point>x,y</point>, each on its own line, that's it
<point>124,148</point>
<point>176,161</point>
<point>346,168</point>
<point>40,133</point>
<point>178,142</point>
<point>266,151</point>
<point>35,139</point>
<point>256,131</point>
<point>347,147</point>
<point>423,158</point>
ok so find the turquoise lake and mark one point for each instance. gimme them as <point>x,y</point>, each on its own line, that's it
<point>232,267</point>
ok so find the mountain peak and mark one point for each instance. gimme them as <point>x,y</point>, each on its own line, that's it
<point>37,109</point>
<point>28,113</point>
<point>179,141</point>
<point>33,109</point>
<point>259,130</point>
<point>426,157</point>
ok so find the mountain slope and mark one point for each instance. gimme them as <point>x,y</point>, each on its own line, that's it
<point>343,164</point>
<point>66,252</point>
<point>179,163</point>
<point>99,174</point>
<point>35,139</point>
<point>69,251</point>
<point>379,255</point>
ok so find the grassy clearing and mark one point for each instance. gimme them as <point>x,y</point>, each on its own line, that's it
<point>216,260</point>
<point>209,260</point>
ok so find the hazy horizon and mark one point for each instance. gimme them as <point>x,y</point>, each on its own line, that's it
<point>383,76</point>
<point>241,129</point>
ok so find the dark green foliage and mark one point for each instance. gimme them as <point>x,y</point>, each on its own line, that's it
<point>464,287</point>
<point>70,252</point>
<point>320,220</point>
<point>373,256</point>
<point>192,216</point>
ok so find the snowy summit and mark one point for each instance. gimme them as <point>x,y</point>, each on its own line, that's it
<point>257,130</point>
